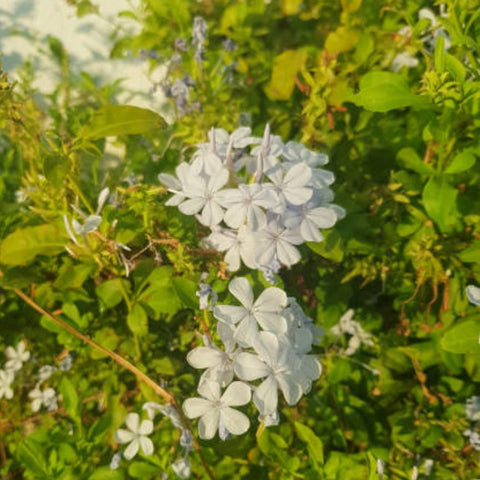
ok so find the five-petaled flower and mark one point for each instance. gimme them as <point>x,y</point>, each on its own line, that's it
<point>135,436</point>
<point>216,412</point>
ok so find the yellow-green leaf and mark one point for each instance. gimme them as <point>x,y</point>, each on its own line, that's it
<point>286,67</point>
<point>114,120</point>
<point>25,244</point>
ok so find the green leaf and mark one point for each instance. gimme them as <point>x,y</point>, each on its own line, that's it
<point>409,158</point>
<point>114,120</point>
<point>314,444</point>
<point>70,399</point>
<point>471,254</point>
<point>440,202</point>
<point>186,291</point>
<point>331,248</point>
<point>110,292</point>
<point>108,339</point>
<point>137,320</point>
<point>31,457</point>
<point>385,91</point>
<point>106,473</point>
<point>286,67</point>
<point>143,470</point>
<point>461,162</point>
<point>439,53</point>
<point>25,244</point>
<point>463,337</point>
<point>455,67</point>
<point>342,40</point>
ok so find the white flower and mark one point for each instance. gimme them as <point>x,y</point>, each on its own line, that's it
<point>115,462</point>
<point>135,436</point>
<point>403,59</point>
<point>66,363</point>
<point>91,222</point>
<point>45,372</point>
<point>275,242</point>
<point>293,184</point>
<point>219,363</point>
<point>296,152</point>
<point>215,411</point>
<point>239,246</point>
<point>16,357</point>
<point>309,219</point>
<point>473,294</point>
<point>182,468</point>
<point>472,409</point>
<point>168,410</point>
<point>278,365</point>
<point>245,204</point>
<point>204,294</point>
<point>265,311</point>
<point>6,379</point>
<point>358,337</point>
<point>203,195</point>
<point>46,398</point>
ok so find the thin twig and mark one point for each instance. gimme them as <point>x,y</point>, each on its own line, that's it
<point>169,398</point>
<point>117,358</point>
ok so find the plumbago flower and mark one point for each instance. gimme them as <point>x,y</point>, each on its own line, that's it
<point>135,436</point>
<point>216,412</point>
<point>267,341</point>
<point>16,357</point>
<point>91,222</point>
<point>259,204</point>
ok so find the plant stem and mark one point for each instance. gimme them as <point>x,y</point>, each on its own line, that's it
<point>168,397</point>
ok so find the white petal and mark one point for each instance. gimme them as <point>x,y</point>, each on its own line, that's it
<point>208,424</point>
<point>265,396</point>
<point>272,299</point>
<point>146,427</point>
<point>291,389</point>
<point>204,357</point>
<point>146,445</point>
<point>322,217</point>
<point>132,420</point>
<point>298,176</point>
<point>242,291</point>
<point>235,215</point>
<point>249,367</point>
<point>298,195</point>
<point>232,259</point>
<point>192,206</point>
<point>124,436</point>
<point>229,313</point>
<point>196,407</point>
<point>91,224</point>
<point>237,393</point>
<point>310,232</point>
<point>236,422</point>
<point>218,180</point>
<point>473,294</point>
<point>268,348</point>
<point>209,390</point>
<point>287,254</point>
<point>132,449</point>
<point>246,331</point>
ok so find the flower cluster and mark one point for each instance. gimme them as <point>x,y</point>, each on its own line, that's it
<point>136,436</point>
<point>357,335</point>
<point>472,411</point>
<point>16,357</point>
<point>265,340</point>
<point>260,197</point>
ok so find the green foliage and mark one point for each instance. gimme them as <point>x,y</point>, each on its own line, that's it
<point>403,146</point>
